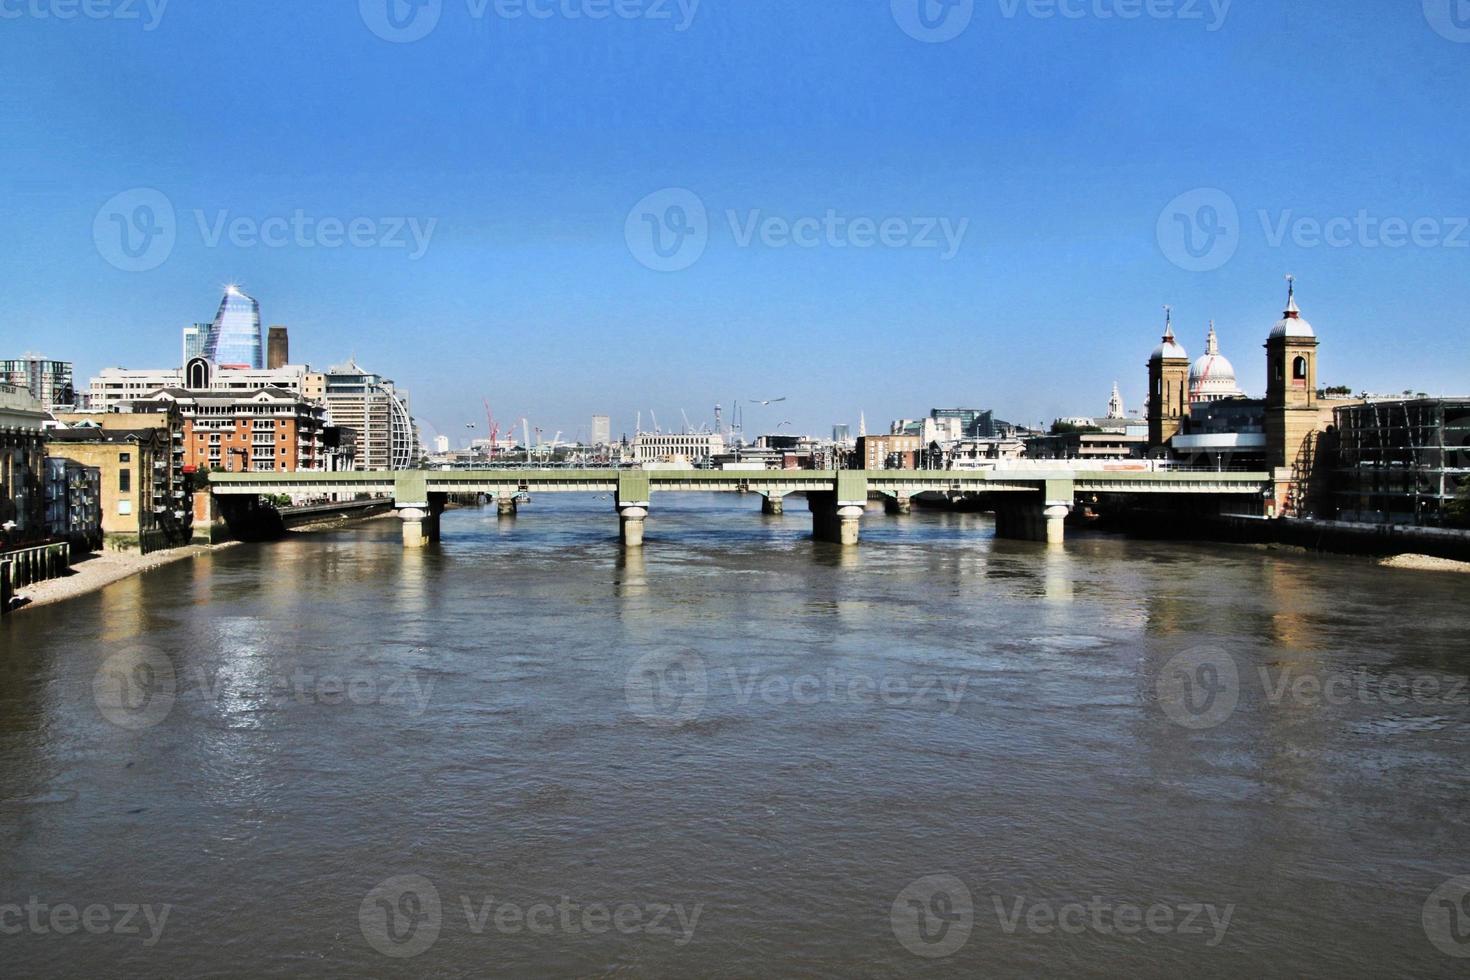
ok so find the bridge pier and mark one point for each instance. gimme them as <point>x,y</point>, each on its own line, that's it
<point>1032,522</point>
<point>774,505</point>
<point>834,521</point>
<point>901,505</point>
<point>505,505</point>
<point>418,509</point>
<point>632,504</point>
<point>630,525</point>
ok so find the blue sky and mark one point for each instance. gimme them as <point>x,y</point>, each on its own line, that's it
<point>1075,153</point>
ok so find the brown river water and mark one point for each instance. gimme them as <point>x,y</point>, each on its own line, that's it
<point>741,753</point>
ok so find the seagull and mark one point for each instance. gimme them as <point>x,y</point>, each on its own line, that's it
<point>768,401</point>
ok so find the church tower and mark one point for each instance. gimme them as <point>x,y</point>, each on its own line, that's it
<point>1168,387</point>
<point>1292,415</point>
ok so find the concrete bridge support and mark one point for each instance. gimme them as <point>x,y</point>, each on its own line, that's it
<point>505,505</point>
<point>631,521</point>
<point>901,505</point>
<point>833,521</point>
<point>1032,519</point>
<point>632,504</point>
<point>1032,522</point>
<point>837,514</point>
<point>773,505</point>
<point>417,508</point>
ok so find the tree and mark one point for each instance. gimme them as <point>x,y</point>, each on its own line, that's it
<point>1457,511</point>
<point>1060,428</point>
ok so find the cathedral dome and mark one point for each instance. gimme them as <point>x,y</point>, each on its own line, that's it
<point>1212,376</point>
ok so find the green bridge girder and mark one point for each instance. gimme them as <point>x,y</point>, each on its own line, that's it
<point>412,488</point>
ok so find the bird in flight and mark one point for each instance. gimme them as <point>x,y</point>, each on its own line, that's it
<point>768,401</point>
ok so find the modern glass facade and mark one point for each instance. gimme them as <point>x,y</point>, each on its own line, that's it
<point>234,337</point>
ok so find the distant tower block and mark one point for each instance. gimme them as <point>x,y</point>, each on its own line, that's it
<point>278,348</point>
<point>1168,387</point>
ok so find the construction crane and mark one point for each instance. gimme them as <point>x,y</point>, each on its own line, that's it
<point>493,428</point>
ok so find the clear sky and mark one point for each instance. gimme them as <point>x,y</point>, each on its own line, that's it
<point>1088,166</point>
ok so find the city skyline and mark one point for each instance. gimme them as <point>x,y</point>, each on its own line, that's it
<point>473,250</point>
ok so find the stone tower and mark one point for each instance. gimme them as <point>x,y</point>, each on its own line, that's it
<point>1293,417</point>
<point>1168,387</point>
<point>1292,414</point>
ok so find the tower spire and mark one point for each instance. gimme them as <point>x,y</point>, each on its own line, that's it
<point>1212,342</point>
<point>1291,308</point>
<point>1168,323</point>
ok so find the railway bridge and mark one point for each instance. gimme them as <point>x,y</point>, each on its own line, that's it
<point>1031,499</point>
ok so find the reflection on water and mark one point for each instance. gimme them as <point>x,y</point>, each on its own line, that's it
<point>784,735</point>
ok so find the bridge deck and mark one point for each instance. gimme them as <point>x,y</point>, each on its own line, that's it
<point>770,482</point>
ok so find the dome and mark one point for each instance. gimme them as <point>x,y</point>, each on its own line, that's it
<point>1169,348</point>
<point>1212,377</point>
<point>1291,323</point>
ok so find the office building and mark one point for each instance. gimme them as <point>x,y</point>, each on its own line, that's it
<point>370,405</point>
<point>601,430</point>
<point>234,337</point>
<point>194,337</point>
<point>50,382</point>
<point>114,388</point>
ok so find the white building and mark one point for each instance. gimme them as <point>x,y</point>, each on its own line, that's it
<point>690,448</point>
<point>114,387</point>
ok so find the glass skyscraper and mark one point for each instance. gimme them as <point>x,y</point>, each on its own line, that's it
<point>234,337</point>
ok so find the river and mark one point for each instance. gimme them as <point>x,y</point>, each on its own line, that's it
<point>739,753</point>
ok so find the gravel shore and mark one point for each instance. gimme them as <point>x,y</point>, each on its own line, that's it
<point>103,568</point>
<point>1426,563</point>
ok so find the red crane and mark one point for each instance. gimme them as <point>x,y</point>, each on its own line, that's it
<point>494,428</point>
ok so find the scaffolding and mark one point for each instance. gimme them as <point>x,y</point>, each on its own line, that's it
<point>1401,461</point>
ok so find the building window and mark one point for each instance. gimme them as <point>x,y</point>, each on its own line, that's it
<point>124,457</point>
<point>1299,369</point>
<point>125,480</point>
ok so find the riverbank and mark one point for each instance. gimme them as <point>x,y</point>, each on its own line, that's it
<point>101,569</point>
<point>1426,563</point>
